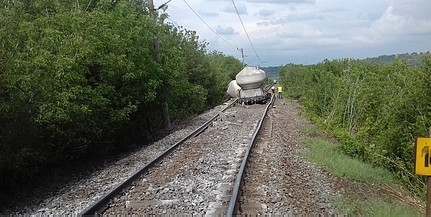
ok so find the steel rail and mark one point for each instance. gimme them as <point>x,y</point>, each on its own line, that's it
<point>102,203</point>
<point>233,203</point>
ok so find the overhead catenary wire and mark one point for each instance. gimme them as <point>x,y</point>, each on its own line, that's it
<point>208,25</point>
<point>172,21</point>
<point>242,23</point>
<point>208,45</point>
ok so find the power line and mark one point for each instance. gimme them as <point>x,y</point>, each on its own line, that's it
<point>208,25</point>
<point>246,31</point>
<point>172,21</point>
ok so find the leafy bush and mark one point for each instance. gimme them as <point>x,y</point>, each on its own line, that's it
<point>376,110</point>
<point>77,77</point>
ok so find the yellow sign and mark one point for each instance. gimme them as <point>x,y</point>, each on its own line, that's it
<point>423,156</point>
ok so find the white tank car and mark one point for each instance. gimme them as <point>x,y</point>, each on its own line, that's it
<point>250,78</point>
<point>251,83</point>
<point>233,89</point>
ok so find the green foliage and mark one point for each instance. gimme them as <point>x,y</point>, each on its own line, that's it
<point>75,76</point>
<point>388,208</point>
<point>73,80</point>
<point>375,110</point>
<point>355,205</point>
<point>225,69</point>
<point>328,156</point>
<point>413,59</point>
<point>325,154</point>
<point>271,73</point>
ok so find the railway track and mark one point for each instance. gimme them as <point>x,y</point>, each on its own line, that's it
<point>265,168</point>
<point>102,204</point>
<point>236,194</point>
<point>203,176</point>
<point>198,177</point>
<point>278,180</point>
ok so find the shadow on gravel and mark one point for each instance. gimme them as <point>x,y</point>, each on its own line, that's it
<point>55,178</point>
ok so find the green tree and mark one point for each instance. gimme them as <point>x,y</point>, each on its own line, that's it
<point>376,110</point>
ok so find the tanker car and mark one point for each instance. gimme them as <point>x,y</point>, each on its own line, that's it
<point>249,86</point>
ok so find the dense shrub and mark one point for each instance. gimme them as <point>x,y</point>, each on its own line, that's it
<point>78,76</point>
<point>376,110</point>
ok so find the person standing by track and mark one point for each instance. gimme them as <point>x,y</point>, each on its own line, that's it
<point>280,90</point>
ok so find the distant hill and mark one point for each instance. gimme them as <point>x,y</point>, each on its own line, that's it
<point>413,59</point>
<point>271,72</point>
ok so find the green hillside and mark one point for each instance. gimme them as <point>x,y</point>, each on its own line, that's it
<point>413,59</point>
<point>271,72</point>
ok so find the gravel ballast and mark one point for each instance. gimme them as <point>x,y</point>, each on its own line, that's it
<point>196,178</point>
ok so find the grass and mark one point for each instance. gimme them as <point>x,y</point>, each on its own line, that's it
<point>389,208</point>
<point>354,206</point>
<point>324,153</point>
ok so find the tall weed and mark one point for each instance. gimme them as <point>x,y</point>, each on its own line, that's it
<point>376,110</point>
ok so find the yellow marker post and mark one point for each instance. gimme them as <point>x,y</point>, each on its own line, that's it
<point>423,156</point>
<point>423,165</point>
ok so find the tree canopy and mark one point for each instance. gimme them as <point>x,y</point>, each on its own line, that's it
<point>78,76</point>
<point>375,109</point>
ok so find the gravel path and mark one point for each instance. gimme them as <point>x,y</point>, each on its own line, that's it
<point>278,179</point>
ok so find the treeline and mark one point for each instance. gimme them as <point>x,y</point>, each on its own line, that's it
<point>271,72</point>
<point>80,76</point>
<point>413,59</point>
<point>376,110</point>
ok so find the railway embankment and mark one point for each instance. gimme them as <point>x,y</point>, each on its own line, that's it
<point>294,169</point>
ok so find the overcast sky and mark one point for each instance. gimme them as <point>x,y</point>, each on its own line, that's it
<point>307,31</point>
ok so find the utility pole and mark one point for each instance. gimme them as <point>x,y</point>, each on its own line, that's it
<point>242,55</point>
<point>156,44</point>
<point>151,9</point>
<point>153,17</point>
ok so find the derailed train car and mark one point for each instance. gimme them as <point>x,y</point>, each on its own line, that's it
<point>249,86</point>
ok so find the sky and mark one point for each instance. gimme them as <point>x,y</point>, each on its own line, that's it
<point>280,32</point>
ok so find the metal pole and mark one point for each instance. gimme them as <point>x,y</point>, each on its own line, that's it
<point>428,207</point>
<point>151,9</point>
<point>165,111</point>
<point>428,212</point>
<point>242,56</point>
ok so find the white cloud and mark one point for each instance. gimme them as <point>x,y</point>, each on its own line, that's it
<point>240,7</point>
<point>283,1</point>
<point>265,12</point>
<point>209,14</point>
<point>392,27</point>
<point>308,31</point>
<point>225,30</point>
<point>390,24</point>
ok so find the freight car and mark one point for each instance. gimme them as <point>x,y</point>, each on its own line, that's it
<point>249,86</point>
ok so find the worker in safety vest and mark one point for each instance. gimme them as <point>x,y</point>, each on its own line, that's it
<point>279,90</point>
